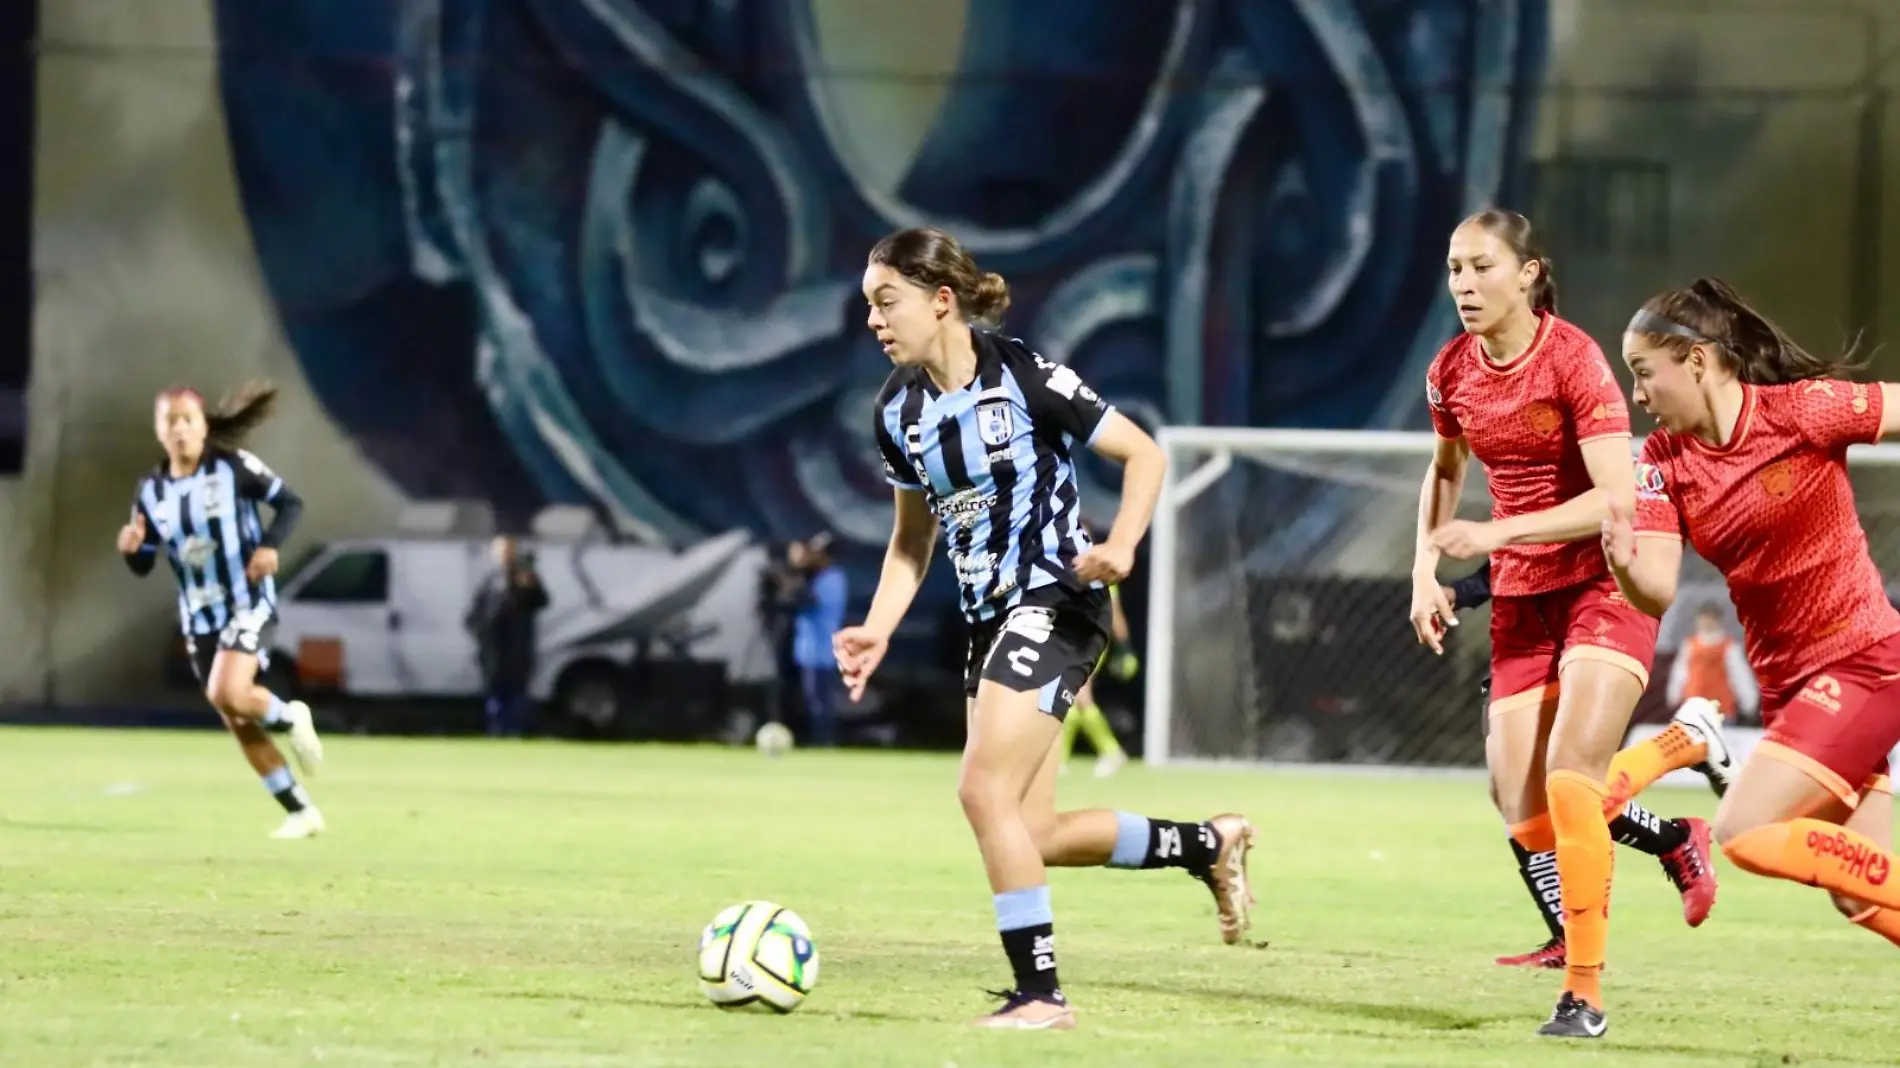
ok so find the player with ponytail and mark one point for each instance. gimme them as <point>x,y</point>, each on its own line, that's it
<point>1532,397</point>
<point>1749,466</point>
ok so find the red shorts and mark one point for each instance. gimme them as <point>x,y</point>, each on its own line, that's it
<point>1533,637</point>
<point>1839,724</point>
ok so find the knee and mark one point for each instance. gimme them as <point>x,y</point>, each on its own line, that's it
<point>225,699</point>
<point>985,797</point>
<point>1578,755</point>
<point>1728,830</point>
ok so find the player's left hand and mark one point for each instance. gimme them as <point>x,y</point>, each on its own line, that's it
<point>1462,539</point>
<point>1124,664</point>
<point>263,564</point>
<point>1105,563</point>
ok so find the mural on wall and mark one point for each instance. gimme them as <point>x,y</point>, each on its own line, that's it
<point>607,251</point>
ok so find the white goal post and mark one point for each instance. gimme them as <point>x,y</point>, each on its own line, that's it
<point>1279,585</point>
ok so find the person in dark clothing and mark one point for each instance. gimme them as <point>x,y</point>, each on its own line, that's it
<point>502,620</point>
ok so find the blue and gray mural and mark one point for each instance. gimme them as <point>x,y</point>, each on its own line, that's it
<point>607,251</point>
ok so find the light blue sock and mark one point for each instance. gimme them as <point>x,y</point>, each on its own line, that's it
<point>282,785</point>
<point>277,715</point>
<point>1017,909</point>
<point>1131,841</point>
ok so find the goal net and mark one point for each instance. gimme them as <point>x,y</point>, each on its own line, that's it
<point>1280,586</point>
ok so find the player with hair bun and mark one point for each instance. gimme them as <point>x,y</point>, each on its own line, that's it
<point>200,506</point>
<point>1532,397</point>
<point>1750,467</point>
<point>981,433</point>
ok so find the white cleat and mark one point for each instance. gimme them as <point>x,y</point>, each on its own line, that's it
<point>1107,766</point>
<point>304,743</point>
<point>305,824</point>
<point>1702,718</point>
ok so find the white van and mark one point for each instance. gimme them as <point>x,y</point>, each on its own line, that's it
<point>384,617</point>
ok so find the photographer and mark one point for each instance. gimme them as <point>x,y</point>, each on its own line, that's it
<point>502,621</point>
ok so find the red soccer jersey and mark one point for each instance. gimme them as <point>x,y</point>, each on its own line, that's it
<point>1526,422</point>
<point>1773,511</point>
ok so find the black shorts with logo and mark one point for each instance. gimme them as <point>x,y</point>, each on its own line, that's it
<point>253,639</point>
<point>1049,643</point>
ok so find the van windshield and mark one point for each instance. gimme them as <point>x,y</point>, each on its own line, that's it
<point>304,558</point>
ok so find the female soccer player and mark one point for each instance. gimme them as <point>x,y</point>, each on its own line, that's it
<point>200,505</point>
<point>1750,465</point>
<point>975,428</point>
<point>1533,398</point>
<point>1680,845</point>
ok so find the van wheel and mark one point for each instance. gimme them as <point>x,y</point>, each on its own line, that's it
<point>590,698</point>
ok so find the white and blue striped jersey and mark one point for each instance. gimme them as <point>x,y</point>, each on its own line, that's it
<point>996,462</point>
<point>208,525</point>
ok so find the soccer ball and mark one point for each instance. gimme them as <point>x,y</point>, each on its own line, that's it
<point>757,954</point>
<point>773,739</point>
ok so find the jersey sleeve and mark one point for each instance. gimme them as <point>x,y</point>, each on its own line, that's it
<point>255,480</point>
<point>151,543</point>
<point>897,469</point>
<point>1057,398</point>
<point>1835,414</point>
<point>1591,398</point>
<point>1656,511</point>
<point>1444,424</point>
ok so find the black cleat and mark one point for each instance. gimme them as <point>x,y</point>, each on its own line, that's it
<point>1575,1018</point>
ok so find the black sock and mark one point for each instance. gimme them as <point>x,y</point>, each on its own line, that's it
<point>1639,828</point>
<point>285,789</point>
<point>1181,845</point>
<point>1540,878</point>
<point>1032,956</point>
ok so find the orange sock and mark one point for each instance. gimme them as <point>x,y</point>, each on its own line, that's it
<point>1535,834</point>
<point>1586,860</point>
<point>1643,763</point>
<point>1883,922</point>
<point>1819,854</point>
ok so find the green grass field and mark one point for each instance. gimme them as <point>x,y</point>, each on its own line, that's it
<point>537,904</point>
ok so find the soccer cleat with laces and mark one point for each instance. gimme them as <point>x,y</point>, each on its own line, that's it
<point>1227,875</point>
<point>1548,955</point>
<point>1022,1011</point>
<point>1575,1018</point>
<point>1703,718</point>
<point>304,743</point>
<point>1688,867</point>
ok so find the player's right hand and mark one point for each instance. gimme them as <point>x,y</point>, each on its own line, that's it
<point>1619,536</point>
<point>1432,613</point>
<point>132,535</point>
<point>859,651</point>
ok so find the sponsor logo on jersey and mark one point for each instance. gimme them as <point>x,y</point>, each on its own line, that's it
<point>1649,483</point>
<point>964,507</point>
